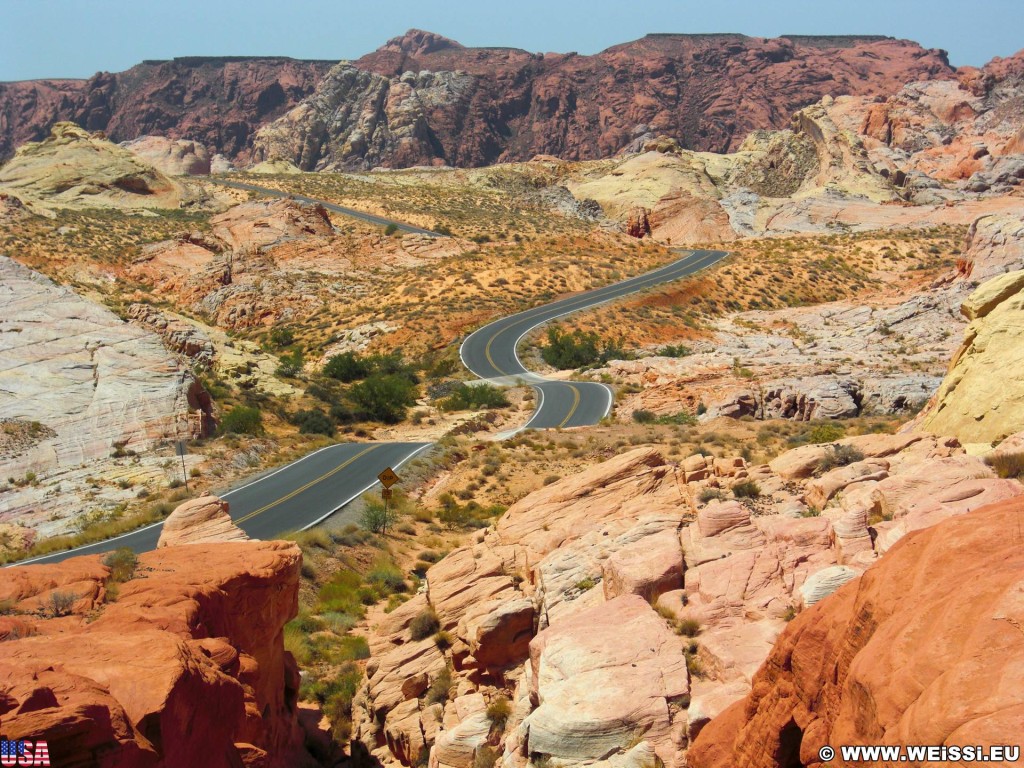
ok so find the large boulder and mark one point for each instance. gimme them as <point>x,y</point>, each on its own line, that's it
<point>604,675</point>
<point>197,521</point>
<point>923,648</point>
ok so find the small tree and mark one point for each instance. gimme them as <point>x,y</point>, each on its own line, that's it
<point>242,420</point>
<point>346,367</point>
<point>378,517</point>
<point>384,397</point>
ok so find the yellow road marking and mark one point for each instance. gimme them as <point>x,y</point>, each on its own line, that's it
<point>311,483</point>
<point>575,403</point>
<point>584,298</point>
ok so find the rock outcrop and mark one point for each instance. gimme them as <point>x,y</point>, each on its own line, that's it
<point>186,667</point>
<point>73,169</point>
<point>93,383</point>
<point>566,607</point>
<point>923,648</point>
<point>981,399</point>
<point>422,99</point>
<point>200,521</point>
<point>174,158</point>
<point>218,102</point>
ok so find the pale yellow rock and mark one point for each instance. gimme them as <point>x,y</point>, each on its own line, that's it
<point>981,400</point>
<point>72,168</point>
<point>200,520</point>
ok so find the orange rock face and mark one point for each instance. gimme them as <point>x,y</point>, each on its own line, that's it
<point>923,648</point>
<point>186,668</point>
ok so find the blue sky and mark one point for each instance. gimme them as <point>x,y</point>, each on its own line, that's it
<point>75,38</point>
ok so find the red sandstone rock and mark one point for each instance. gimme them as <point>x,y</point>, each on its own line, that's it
<point>187,668</point>
<point>924,648</point>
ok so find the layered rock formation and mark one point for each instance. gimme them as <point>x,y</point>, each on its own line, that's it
<point>216,101</point>
<point>422,99</point>
<point>923,648</point>
<point>201,520</point>
<point>186,667</point>
<point>72,168</point>
<point>174,158</point>
<point>981,399</point>
<point>566,606</point>
<point>92,383</point>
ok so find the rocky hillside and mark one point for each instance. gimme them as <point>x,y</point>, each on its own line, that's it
<point>155,663</point>
<point>921,649</point>
<point>424,99</point>
<point>216,101</point>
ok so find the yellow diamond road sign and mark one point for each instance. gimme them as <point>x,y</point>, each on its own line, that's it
<point>388,477</point>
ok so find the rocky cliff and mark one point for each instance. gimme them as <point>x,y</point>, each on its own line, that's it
<point>924,648</point>
<point>424,99</point>
<point>178,666</point>
<point>216,101</point>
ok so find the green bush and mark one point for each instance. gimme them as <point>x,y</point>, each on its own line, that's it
<point>384,397</point>
<point>387,578</point>
<point>424,624</point>
<point>746,489</point>
<point>571,350</point>
<point>341,594</point>
<point>242,420</point>
<point>390,229</point>
<point>440,688</point>
<point>839,456</point>
<point>291,364</point>
<point>466,397</point>
<point>122,563</point>
<point>282,337</point>
<point>674,350</point>
<point>376,517</point>
<point>313,421</point>
<point>346,367</point>
<point>825,433</point>
<point>711,494</point>
<point>644,416</point>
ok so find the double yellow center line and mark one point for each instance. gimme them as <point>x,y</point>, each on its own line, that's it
<point>310,484</point>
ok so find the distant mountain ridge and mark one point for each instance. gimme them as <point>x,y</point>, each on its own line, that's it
<point>422,98</point>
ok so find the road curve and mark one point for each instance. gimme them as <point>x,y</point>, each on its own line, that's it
<point>490,352</point>
<point>292,498</point>
<point>352,212</point>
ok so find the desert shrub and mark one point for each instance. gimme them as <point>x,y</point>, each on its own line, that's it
<point>465,397</point>
<point>341,594</point>
<point>1007,465</point>
<point>442,229</point>
<point>440,687</point>
<point>384,397</point>
<point>282,337</point>
<point>390,229</point>
<point>644,417</point>
<point>578,349</point>
<point>674,350</point>
<point>430,556</point>
<point>335,697</point>
<point>711,494</point>
<point>485,757</point>
<point>424,624</point>
<point>443,640</point>
<point>122,563</point>
<point>291,364</point>
<point>701,409</point>
<point>825,433</point>
<point>386,577</point>
<point>346,367</point>
<point>313,421</point>
<point>377,517</point>
<point>242,420</point>
<point>498,711</point>
<point>746,489</point>
<point>839,456</point>
<point>688,627</point>
<point>59,603</point>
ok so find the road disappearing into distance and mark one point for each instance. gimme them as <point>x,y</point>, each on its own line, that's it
<point>307,491</point>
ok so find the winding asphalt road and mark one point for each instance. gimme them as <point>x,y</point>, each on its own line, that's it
<point>490,352</point>
<point>304,493</point>
<point>361,215</point>
<point>292,498</point>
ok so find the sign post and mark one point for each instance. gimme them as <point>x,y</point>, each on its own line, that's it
<point>387,479</point>
<point>181,449</point>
